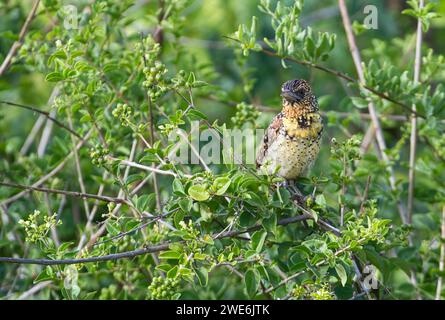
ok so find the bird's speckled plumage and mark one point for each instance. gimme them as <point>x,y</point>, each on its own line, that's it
<point>292,140</point>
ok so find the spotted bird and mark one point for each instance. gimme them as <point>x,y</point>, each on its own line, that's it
<point>292,141</point>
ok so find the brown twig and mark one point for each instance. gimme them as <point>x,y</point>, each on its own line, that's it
<point>44,113</point>
<point>138,252</point>
<point>64,192</point>
<point>16,46</point>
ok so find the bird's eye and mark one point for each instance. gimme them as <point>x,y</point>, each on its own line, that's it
<point>300,92</point>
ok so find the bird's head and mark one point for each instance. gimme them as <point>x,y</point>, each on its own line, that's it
<point>296,91</point>
<point>297,97</point>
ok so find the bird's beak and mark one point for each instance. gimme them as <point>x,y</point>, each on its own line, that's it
<point>291,96</point>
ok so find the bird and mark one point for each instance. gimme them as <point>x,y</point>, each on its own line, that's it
<point>292,141</point>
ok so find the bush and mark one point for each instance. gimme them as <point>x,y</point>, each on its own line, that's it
<point>127,96</point>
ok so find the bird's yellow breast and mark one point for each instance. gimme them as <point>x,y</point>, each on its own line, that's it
<point>306,126</point>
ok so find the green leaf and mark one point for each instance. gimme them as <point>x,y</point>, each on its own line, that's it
<point>320,200</point>
<point>252,282</point>
<point>258,239</point>
<point>221,185</point>
<point>149,158</point>
<point>43,276</point>
<point>109,67</point>
<point>59,54</point>
<point>112,228</point>
<point>186,204</point>
<point>85,118</point>
<point>133,178</point>
<point>315,245</point>
<point>170,255</point>
<point>359,102</point>
<point>310,47</point>
<point>270,223</point>
<point>142,202</point>
<point>82,66</point>
<point>341,273</point>
<point>203,276</point>
<point>185,272</point>
<point>172,272</point>
<point>191,79</point>
<point>65,246</point>
<point>199,84</point>
<point>194,114</point>
<point>198,193</point>
<point>164,267</point>
<point>179,216</point>
<point>178,188</point>
<point>207,239</point>
<point>54,77</point>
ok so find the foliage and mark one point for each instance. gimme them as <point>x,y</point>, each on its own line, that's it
<point>129,77</point>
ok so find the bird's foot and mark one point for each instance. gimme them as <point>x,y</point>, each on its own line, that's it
<point>296,194</point>
<point>292,187</point>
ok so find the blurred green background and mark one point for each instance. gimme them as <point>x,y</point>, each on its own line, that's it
<point>207,24</point>
<point>208,21</point>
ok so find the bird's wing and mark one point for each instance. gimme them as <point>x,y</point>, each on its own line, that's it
<point>269,137</point>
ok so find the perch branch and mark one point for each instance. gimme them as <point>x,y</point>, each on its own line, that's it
<point>138,252</point>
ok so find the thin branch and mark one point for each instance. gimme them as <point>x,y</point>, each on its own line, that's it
<point>371,107</point>
<point>138,252</point>
<point>343,192</point>
<point>36,288</point>
<point>53,229</point>
<point>337,74</point>
<point>295,275</point>
<point>102,229</point>
<point>196,152</point>
<point>365,195</point>
<point>46,135</point>
<point>44,113</point>
<point>53,172</point>
<point>32,134</point>
<point>64,192</point>
<point>158,36</point>
<point>359,276</point>
<point>78,168</point>
<point>152,136</point>
<point>89,223</point>
<point>340,114</point>
<point>16,46</point>
<point>151,218</point>
<point>146,168</point>
<point>368,139</point>
<point>413,137</point>
<point>441,258</point>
